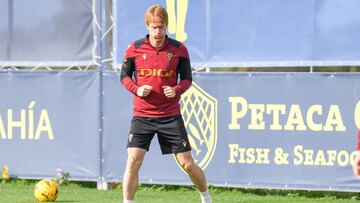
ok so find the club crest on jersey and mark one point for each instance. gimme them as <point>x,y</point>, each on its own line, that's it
<point>144,56</point>
<point>169,55</point>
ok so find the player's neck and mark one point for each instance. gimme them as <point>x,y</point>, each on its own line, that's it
<point>157,44</point>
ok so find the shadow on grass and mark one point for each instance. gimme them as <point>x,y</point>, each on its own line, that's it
<point>260,192</point>
<point>291,193</point>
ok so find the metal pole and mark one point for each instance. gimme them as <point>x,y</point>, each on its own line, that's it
<point>104,42</point>
<point>10,29</point>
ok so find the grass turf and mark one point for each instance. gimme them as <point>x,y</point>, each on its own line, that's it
<point>21,191</point>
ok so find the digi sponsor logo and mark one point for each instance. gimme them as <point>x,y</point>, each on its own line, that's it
<point>199,111</point>
<point>147,72</point>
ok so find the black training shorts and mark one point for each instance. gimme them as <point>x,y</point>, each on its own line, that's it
<point>171,132</point>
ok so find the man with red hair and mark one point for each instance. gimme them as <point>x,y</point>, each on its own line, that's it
<point>150,71</point>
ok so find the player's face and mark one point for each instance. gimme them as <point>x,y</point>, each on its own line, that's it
<point>157,31</point>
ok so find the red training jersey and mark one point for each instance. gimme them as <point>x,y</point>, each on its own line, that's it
<point>166,66</point>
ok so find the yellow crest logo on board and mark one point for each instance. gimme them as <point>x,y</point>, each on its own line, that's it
<point>199,111</point>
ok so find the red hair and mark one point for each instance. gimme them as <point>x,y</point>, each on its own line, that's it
<point>156,11</point>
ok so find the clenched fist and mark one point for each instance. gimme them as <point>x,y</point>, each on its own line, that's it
<point>144,90</point>
<point>356,165</point>
<point>169,92</point>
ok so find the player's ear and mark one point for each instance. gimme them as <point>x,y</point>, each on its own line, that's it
<point>147,27</point>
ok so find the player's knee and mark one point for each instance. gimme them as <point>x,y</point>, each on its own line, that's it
<point>189,167</point>
<point>134,163</point>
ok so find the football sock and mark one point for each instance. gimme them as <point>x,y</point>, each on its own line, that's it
<point>129,201</point>
<point>205,197</point>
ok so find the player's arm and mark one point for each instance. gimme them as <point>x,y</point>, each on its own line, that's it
<point>184,71</point>
<point>127,70</point>
<point>356,166</point>
<point>185,75</point>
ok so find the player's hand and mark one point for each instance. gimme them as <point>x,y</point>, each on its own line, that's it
<point>356,166</point>
<point>144,90</point>
<point>169,91</point>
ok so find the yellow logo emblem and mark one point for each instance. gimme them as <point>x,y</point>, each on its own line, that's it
<point>199,111</point>
<point>177,20</point>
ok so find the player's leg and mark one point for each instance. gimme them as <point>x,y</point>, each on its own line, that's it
<point>173,139</point>
<point>195,173</point>
<point>131,177</point>
<point>139,139</point>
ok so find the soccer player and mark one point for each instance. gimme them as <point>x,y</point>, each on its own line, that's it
<point>150,71</point>
<point>356,165</point>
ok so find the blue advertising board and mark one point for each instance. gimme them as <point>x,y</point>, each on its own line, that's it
<point>50,121</point>
<point>246,33</point>
<point>251,130</point>
<point>50,33</point>
<point>246,130</point>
